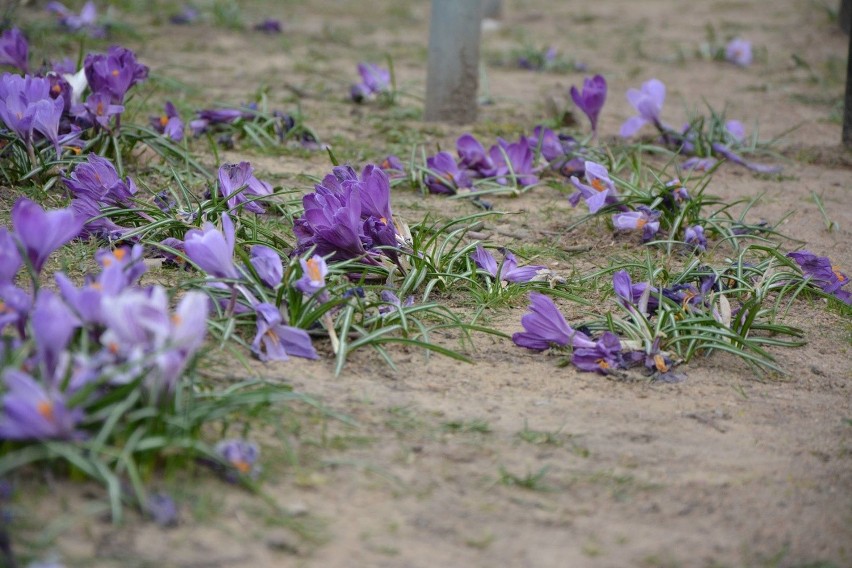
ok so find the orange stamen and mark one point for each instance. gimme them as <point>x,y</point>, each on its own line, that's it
<point>242,466</point>
<point>602,364</point>
<point>598,185</point>
<point>314,269</point>
<point>176,319</point>
<point>660,363</point>
<point>836,270</point>
<point>119,254</point>
<point>164,120</point>
<point>115,72</point>
<point>45,409</point>
<point>641,223</point>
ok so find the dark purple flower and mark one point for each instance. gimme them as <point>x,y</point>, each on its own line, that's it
<point>100,110</point>
<point>42,232</point>
<point>240,454</point>
<point>602,356</point>
<point>444,175</point>
<point>513,161</point>
<point>824,274</point>
<point>695,236</point>
<point>591,99</point>
<point>644,218</point>
<point>114,73</point>
<point>19,97</point>
<point>238,185</point>
<point>374,187</point>
<point>544,327</point>
<point>738,52</point>
<point>213,250</point>
<point>10,257</point>
<point>269,26</point>
<point>600,190</point>
<point>97,180</point>
<point>642,296</point>
<point>32,413</point>
<point>53,325</point>
<point>393,167</point>
<point>314,271</point>
<point>274,341</point>
<point>169,123</point>
<point>267,264</point>
<point>547,143</point>
<point>14,49</point>
<point>648,102</point>
<point>472,155</point>
<point>212,117</point>
<point>689,296</point>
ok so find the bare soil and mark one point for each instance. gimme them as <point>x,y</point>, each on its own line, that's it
<point>513,461</point>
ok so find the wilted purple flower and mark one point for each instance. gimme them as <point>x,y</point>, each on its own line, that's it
<point>169,123</point>
<point>32,413</point>
<point>267,264</point>
<point>14,49</point>
<point>274,341</point>
<point>269,26</point>
<point>241,454</point>
<point>42,232</point>
<point>731,156</point>
<point>509,270</point>
<point>690,296</point>
<point>114,73</point>
<point>374,80</point>
<point>600,190</point>
<point>738,52</point>
<point>699,164</point>
<point>644,218</point>
<point>630,294</point>
<point>602,356</point>
<point>591,99</point>
<point>677,194</point>
<point>100,110</point>
<point>472,155</point>
<point>544,327</point>
<point>695,236</point>
<point>212,117</point>
<point>238,185</point>
<point>648,102</point>
<point>314,271</point>
<point>513,161</point>
<point>444,176</point>
<point>547,142</point>
<point>825,275</point>
<point>213,250</point>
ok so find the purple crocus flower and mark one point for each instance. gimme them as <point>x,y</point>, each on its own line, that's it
<point>602,356</point>
<point>187,15</point>
<point>240,454</point>
<point>731,156</point>
<point>509,270</point>
<point>736,129</point>
<point>393,167</point>
<point>14,49</point>
<point>738,52</point>
<point>19,97</point>
<point>32,413</point>
<point>544,327</point>
<point>374,80</point>
<point>10,257</point>
<point>699,164</point>
<point>213,250</point>
<point>648,102</point>
<point>472,155</point>
<point>269,26</point>
<point>238,185</point>
<point>444,176</point>
<point>314,271</point>
<point>100,110</point>
<point>600,190</point>
<point>644,218</point>
<point>591,99</point>
<point>267,264</point>
<point>42,232</point>
<point>630,294</point>
<point>97,180</point>
<point>212,117</point>
<point>274,341</point>
<point>695,236</point>
<point>87,19</point>
<point>513,161</point>
<point>15,306</point>
<point>547,142</point>
<point>162,509</point>
<point>169,123</point>
<point>332,223</point>
<point>114,73</point>
<point>53,325</point>
<point>824,274</point>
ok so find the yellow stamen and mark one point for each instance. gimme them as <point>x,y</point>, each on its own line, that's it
<point>56,89</point>
<point>598,185</point>
<point>176,319</point>
<point>836,270</point>
<point>2,307</point>
<point>242,466</point>
<point>641,223</point>
<point>660,363</point>
<point>113,348</point>
<point>115,72</point>
<point>96,286</point>
<point>100,109</point>
<point>45,409</point>
<point>602,364</point>
<point>314,272</point>
<point>119,254</point>
<point>164,120</point>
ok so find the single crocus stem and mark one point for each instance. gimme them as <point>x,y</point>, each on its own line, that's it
<point>31,153</point>
<point>332,334</point>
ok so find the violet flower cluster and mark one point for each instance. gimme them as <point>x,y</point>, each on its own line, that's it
<point>132,333</point>
<point>348,216</point>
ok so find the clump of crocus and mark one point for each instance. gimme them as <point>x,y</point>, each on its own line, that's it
<point>824,275</point>
<point>26,106</point>
<point>95,184</point>
<point>86,20</point>
<point>508,271</point>
<point>374,81</point>
<point>598,192</point>
<point>114,72</point>
<point>644,218</point>
<point>591,99</point>
<point>169,123</point>
<point>14,49</point>
<point>648,102</point>
<point>738,52</point>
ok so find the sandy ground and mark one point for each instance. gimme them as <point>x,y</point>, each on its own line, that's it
<point>513,461</point>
